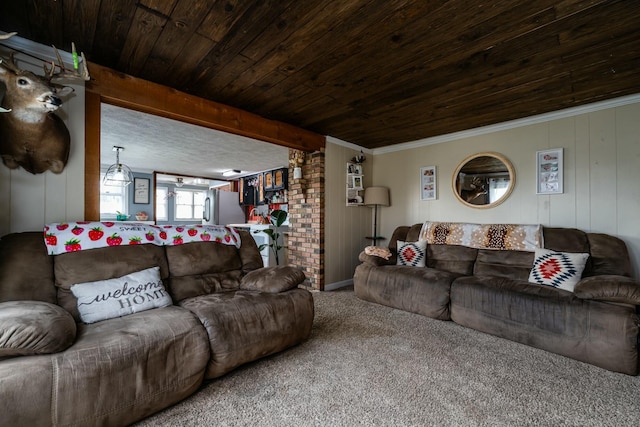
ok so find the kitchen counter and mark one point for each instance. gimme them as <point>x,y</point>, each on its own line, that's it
<point>249,225</point>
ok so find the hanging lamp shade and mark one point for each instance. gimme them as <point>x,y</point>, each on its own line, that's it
<point>118,175</point>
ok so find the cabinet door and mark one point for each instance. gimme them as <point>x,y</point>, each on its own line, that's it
<point>268,180</point>
<point>280,178</point>
<point>248,192</point>
<point>260,200</point>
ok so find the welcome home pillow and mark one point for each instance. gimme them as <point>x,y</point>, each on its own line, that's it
<point>561,270</point>
<point>133,293</point>
<point>412,253</point>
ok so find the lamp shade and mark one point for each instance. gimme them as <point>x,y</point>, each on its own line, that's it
<point>118,175</point>
<point>376,196</point>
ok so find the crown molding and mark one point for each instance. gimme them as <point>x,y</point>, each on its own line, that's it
<point>512,124</point>
<point>346,144</point>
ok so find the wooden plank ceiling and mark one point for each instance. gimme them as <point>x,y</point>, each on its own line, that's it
<point>371,72</point>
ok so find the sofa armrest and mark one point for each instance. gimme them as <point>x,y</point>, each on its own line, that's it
<point>272,279</point>
<point>34,327</point>
<point>376,260</point>
<point>611,288</point>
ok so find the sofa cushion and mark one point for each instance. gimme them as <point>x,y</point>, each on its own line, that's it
<point>273,279</point>
<point>34,327</point>
<point>561,270</point>
<point>124,369</point>
<point>511,264</point>
<point>549,318</point>
<point>101,264</point>
<point>418,290</point>
<point>246,325</point>
<point>203,268</point>
<point>120,296</point>
<point>452,258</point>
<point>609,255</point>
<point>413,254</point>
<point>26,270</point>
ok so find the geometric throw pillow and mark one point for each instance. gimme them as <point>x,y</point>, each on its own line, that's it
<point>561,270</point>
<point>412,253</point>
<point>133,293</point>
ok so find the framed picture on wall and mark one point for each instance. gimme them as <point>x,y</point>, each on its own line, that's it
<point>141,191</point>
<point>549,171</point>
<point>356,182</point>
<point>428,183</point>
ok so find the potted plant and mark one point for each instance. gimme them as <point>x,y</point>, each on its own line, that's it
<point>277,217</point>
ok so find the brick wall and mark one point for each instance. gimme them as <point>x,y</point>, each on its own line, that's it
<point>306,219</point>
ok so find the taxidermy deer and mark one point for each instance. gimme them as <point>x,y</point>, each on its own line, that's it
<point>478,188</point>
<point>32,136</point>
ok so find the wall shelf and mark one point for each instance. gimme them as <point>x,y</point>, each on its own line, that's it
<point>354,185</point>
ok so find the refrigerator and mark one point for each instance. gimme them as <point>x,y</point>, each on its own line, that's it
<point>222,208</point>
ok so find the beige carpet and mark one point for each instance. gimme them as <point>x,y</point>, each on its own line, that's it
<point>370,365</point>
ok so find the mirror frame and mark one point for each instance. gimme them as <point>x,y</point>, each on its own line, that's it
<point>503,159</point>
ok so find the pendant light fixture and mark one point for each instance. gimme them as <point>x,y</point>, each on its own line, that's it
<point>179,182</point>
<point>118,175</point>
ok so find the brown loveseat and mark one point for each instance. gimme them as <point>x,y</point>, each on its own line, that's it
<point>488,290</point>
<point>56,370</point>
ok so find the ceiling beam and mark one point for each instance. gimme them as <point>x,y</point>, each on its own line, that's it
<point>130,92</point>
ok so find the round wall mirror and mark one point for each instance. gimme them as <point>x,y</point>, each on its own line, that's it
<point>484,180</point>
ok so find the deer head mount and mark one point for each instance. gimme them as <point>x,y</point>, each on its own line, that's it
<point>477,187</point>
<point>32,136</point>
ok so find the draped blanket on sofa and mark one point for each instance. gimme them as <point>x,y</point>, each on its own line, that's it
<point>76,236</point>
<point>517,237</point>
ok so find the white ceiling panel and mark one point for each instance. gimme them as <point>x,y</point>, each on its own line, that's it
<point>154,143</point>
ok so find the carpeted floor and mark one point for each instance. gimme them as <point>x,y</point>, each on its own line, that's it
<point>370,365</point>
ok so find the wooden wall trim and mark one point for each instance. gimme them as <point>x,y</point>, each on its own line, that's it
<point>92,157</point>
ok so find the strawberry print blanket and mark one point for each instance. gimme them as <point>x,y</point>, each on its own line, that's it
<point>76,236</point>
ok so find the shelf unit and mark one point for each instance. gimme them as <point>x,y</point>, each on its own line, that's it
<point>354,185</point>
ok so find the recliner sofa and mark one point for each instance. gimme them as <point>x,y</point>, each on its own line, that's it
<point>488,290</point>
<point>56,370</point>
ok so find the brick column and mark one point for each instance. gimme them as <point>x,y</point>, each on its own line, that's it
<point>306,219</point>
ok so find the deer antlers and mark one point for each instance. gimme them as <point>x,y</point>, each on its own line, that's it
<point>65,72</point>
<point>79,71</point>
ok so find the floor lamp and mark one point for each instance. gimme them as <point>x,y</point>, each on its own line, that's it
<point>376,196</point>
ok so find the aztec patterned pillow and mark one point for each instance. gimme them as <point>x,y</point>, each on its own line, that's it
<point>412,253</point>
<point>558,269</point>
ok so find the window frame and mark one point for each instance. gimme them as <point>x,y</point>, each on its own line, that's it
<point>193,192</point>
<point>124,199</point>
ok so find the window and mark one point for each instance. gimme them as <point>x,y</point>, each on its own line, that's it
<point>497,188</point>
<point>189,204</point>
<point>162,204</point>
<point>112,200</point>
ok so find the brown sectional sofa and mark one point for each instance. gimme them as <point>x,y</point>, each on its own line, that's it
<point>55,370</point>
<point>488,290</point>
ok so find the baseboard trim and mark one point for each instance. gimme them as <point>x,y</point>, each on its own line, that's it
<point>338,285</point>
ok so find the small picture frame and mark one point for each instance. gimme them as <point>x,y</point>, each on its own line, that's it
<point>549,171</point>
<point>141,191</point>
<point>428,184</point>
<point>356,182</point>
<point>354,169</point>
